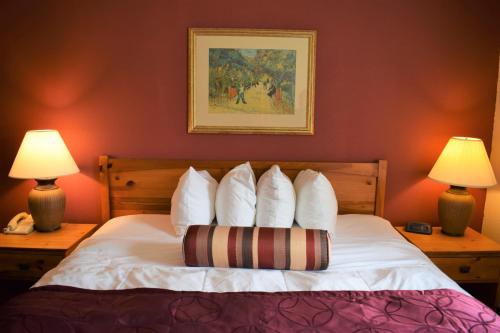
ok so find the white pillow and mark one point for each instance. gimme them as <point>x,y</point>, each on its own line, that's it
<point>316,202</point>
<point>193,201</point>
<point>235,199</point>
<point>275,199</point>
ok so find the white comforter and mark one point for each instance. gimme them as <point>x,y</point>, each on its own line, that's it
<point>143,251</point>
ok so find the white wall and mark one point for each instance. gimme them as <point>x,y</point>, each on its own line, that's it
<point>491,222</point>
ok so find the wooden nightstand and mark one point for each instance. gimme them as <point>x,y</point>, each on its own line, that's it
<point>28,257</point>
<point>473,258</point>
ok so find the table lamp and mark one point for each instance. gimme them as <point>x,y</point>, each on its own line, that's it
<point>463,163</point>
<point>43,156</point>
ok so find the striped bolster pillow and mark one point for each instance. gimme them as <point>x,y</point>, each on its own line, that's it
<point>256,247</point>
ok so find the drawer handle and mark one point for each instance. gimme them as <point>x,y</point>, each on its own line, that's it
<point>24,267</point>
<point>464,269</point>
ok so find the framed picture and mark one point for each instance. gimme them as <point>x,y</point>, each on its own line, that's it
<point>251,81</point>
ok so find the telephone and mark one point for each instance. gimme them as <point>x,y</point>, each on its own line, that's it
<point>21,224</point>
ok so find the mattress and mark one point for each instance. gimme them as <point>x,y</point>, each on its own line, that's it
<point>142,251</point>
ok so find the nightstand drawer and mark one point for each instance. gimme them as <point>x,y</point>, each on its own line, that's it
<point>27,265</point>
<point>470,269</point>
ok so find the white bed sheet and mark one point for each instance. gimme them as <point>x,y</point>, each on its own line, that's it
<point>143,251</point>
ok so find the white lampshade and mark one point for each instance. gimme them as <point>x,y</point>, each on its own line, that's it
<point>43,155</point>
<point>464,162</point>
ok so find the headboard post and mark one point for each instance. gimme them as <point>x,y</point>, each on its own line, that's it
<point>381,184</point>
<point>104,187</point>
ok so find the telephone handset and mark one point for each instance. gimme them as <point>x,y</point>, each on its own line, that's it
<point>21,224</point>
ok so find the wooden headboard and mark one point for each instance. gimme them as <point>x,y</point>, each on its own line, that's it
<point>134,186</point>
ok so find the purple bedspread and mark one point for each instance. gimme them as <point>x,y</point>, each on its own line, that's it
<point>66,309</point>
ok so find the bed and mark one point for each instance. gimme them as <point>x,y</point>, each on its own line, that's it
<point>130,275</point>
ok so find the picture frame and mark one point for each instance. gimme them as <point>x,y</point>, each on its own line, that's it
<point>251,81</point>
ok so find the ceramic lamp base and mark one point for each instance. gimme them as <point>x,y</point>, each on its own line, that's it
<point>47,202</point>
<point>455,209</point>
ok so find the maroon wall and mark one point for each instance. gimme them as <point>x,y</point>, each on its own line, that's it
<point>395,79</point>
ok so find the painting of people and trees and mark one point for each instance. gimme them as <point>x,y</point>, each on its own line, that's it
<point>252,81</point>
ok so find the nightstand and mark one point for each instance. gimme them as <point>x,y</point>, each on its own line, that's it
<point>473,258</point>
<point>28,257</point>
